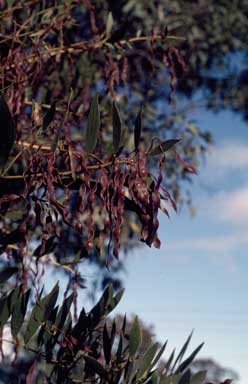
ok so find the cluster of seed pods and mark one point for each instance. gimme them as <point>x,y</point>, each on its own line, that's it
<point>91,198</point>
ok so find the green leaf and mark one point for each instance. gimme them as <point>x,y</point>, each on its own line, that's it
<point>4,311</point>
<point>163,147</point>
<point>109,24</point>
<point>173,379</point>
<point>199,377</point>
<point>19,311</point>
<point>116,127</point>
<point>154,378</point>
<point>48,118</point>
<point>106,345</point>
<point>137,129</point>
<point>6,273</point>
<point>129,372</point>
<point>41,312</point>
<point>189,360</point>
<point>101,308</point>
<point>145,363</point>
<point>135,338</point>
<point>182,352</point>
<point>113,302</point>
<point>160,353</point>
<point>63,312</point>
<point>7,132</point>
<point>94,365</point>
<point>185,379</point>
<point>169,361</point>
<point>93,125</point>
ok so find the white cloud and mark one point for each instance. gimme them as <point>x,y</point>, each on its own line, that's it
<point>229,156</point>
<point>217,244</point>
<point>232,207</point>
<point>223,163</point>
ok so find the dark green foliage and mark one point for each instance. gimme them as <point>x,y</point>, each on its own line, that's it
<point>19,311</point>
<point>48,118</point>
<point>6,273</point>
<point>40,313</point>
<point>91,350</point>
<point>93,125</point>
<point>116,127</point>
<point>7,132</point>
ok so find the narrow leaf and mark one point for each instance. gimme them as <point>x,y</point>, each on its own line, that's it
<point>4,311</point>
<point>182,352</point>
<point>163,147</point>
<point>135,338</point>
<point>109,24</point>
<point>101,308</point>
<point>145,364</point>
<point>93,125</point>
<point>94,365</point>
<point>137,129</point>
<point>41,312</point>
<point>19,312</point>
<point>168,363</point>
<point>160,353</point>
<point>64,311</point>
<point>173,379</point>
<point>114,301</point>
<point>106,345</point>
<point>116,127</point>
<point>185,379</point>
<point>7,132</point>
<point>48,118</point>
<point>189,360</point>
<point>6,273</point>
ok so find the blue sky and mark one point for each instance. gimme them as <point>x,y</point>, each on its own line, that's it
<point>198,279</point>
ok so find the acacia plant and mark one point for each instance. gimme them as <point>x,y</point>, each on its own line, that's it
<point>73,172</point>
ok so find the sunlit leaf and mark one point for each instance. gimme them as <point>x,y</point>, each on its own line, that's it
<point>135,337</point>
<point>109,24</point>
<point>145,363</point>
